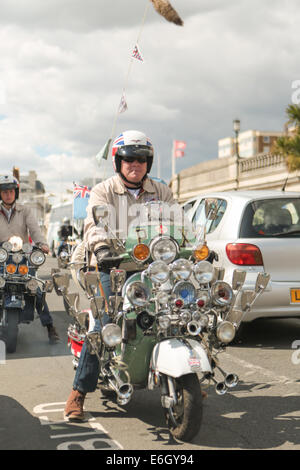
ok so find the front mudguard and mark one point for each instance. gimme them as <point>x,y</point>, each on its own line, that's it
<point>174,358</point>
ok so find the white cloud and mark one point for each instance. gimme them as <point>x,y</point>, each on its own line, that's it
<point>64,64</point>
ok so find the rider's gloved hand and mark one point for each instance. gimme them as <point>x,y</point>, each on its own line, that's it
<point>101,255</point>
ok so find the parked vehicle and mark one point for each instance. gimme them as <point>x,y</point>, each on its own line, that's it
<point>57,214</point>
<point>256,231</point>
<point>18,287</point>
<point>168,321</point>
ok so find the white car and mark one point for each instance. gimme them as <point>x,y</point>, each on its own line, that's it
<point>257,231</point>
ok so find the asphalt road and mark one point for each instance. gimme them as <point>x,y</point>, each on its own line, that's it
<point>263,412</point>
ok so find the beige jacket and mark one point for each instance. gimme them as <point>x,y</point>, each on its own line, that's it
<point>113,192</point>
<point>22,224</point>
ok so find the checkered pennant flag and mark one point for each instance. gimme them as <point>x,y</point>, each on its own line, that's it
<point>136,54</point>
<point>123,104</point>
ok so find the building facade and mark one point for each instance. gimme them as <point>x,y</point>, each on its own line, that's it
<point>250,143</point>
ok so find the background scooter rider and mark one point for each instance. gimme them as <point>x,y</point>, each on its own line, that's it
<point>18,220</point>
<point>132,155</point>
<point>66,230</point>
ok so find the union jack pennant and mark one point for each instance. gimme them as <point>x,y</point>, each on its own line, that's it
<point>136,54</point>
<point>81,191</point>
<point>81,195</point>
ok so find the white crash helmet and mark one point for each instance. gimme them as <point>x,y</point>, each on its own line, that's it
<point>9,182</point>
<point>131,144</point>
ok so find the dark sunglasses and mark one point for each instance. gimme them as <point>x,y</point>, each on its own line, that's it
<point>141,159</point>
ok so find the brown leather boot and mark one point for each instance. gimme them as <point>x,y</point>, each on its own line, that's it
<point>74,406</point>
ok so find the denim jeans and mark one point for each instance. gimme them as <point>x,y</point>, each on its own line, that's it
<point>86,377</point>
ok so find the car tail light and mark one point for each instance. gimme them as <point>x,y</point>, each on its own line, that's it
<point>244,254</point>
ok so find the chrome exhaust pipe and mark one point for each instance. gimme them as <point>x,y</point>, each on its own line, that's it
<point>221,388</point>
<point>124,394</point>
<point>231,380</point>
<point>193,328</point>
<point>123,390</point>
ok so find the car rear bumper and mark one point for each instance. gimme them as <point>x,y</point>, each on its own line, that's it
<point>275,301</point>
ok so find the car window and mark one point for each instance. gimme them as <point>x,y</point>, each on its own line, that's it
<point>200,217</point>
<point>271,218</point>
<point>188,206</point>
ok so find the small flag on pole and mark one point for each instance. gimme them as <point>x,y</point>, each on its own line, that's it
<point>136,54</point>
<point>81,195</point>
<point>123,104</point>
<point>103,153</point>
<point>178,148</point>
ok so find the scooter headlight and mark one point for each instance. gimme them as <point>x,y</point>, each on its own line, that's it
<point>221,293</point>
<point>138,294</point>
<point>164,249</point>
<point>3,255</point>
<point>185,291</point>
<point>16,243</point>
<point>112,335</point>
<point>7,246</point>
<point>204,272</point>
<point>63,255</point>
<point>159,271</point>
<point>32,285</point>
<point>37,258</point>
<point>17,258</point>
<point>225,332</point>
<point>182,269</point>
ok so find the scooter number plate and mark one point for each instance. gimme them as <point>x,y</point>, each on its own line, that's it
<point>194,363</point>
<point>295,296</point>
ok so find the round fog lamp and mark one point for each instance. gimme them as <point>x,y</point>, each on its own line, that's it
<point>225,332</point>
<point>181,269</point>
<point>138,294</point>
<point>112,335</point>
<point>185,291</point>
<point>222,293</point>
<point>164,249</point>
<point>3,255</point>
<point>204,272</point>
<point>158,271</point>
<point>32,285</point>
<point>37,257</point>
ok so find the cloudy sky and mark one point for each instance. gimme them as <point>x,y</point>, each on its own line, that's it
<point>64,64</point>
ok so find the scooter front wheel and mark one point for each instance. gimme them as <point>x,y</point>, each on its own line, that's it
<point>185,417</point>
<point>9,333</point>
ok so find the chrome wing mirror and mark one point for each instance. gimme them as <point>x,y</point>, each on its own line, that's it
<point>91,282</point>
<point>49,285</point>
<point>61,283</point>
<point>100,216</point>
<point>117,279</point>
<point>238,279</point>
<point>72,301</point>
<point>261,282</point>
<point>97,306</point>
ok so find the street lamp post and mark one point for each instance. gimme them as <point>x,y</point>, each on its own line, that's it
<point>236,128</point>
